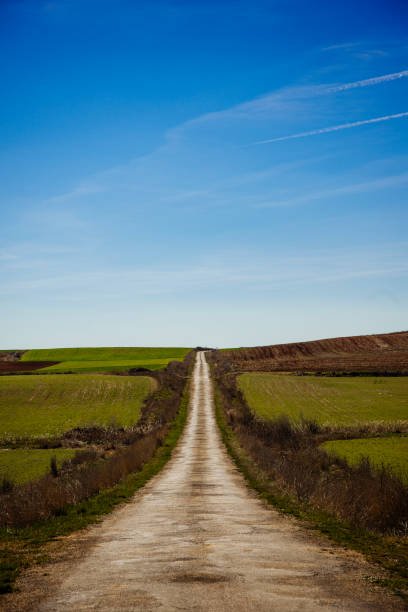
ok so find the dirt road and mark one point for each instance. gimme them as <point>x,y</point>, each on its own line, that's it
<point>196,538</point>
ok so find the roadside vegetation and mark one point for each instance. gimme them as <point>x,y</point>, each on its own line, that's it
<point>362,504</point>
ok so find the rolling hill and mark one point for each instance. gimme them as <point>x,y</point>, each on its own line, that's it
<point>385,353</point>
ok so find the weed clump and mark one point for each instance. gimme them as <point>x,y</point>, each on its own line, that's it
<point>6,485</point>
<point>53,466</point>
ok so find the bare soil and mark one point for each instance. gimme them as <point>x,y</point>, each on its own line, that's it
<point>24,366</point>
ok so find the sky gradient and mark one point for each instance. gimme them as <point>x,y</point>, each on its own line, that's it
<point>215,173</point>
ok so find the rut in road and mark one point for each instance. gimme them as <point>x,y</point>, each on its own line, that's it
<point>196,538</point>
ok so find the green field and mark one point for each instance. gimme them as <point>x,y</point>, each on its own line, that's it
<point>105,359</point>
<point>23,465</point>
<point>340,401</point>
<point>107,366</point>
<point>391,451</point>
<point>105,354</point>
<point>36,406</point>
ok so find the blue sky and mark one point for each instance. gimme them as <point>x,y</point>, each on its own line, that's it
<point>183,173</point>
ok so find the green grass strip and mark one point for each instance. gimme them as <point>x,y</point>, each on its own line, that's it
<point>109,366</point>
<point>21,548</point>
<point>107,353</point>
<point>390,553</point>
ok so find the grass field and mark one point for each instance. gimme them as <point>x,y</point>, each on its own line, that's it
<point>23,465</point>
<point>105,359</point>
<point>105,354</point>
<point>340,401</point>
<point>391,451</point>
<point>108,366</point>
<point>35,406</point>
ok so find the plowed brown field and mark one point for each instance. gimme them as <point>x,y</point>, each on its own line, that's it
<point>385,353</point>
<point>24,366</point>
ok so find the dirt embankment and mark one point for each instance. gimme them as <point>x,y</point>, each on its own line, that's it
<point>382,353</point>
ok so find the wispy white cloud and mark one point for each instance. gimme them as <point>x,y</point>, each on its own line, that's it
<point>282,106</point>
<point>387,182</point>
<point>216,192</point>
<point>221,271</point>
<point>345,45</point>
<point>55,218</point>
<point>333,128</point>
<point>38,256</point>
<point>371,54</point>
<point>81,190</point>
<point>358,50</point>
<point>5,256</point>
<point>285,100</point>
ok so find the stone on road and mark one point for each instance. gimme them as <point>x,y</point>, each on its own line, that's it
<point>196,538</point>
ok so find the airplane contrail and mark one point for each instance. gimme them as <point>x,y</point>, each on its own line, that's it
<point>366,82</point>
<point>334,128</point>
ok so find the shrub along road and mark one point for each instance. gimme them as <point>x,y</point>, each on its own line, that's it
<point>196,538</point>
